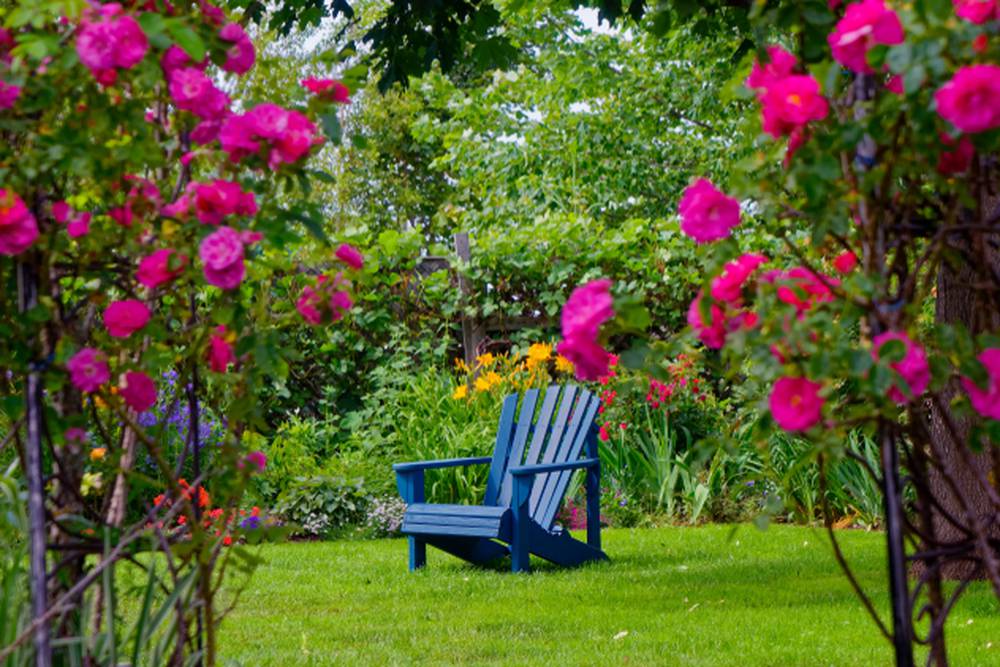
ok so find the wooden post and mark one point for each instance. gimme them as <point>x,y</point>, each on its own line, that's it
<point>472,334</point>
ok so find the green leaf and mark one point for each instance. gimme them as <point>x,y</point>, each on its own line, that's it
<point>187,39</point>
<point>331,126</point>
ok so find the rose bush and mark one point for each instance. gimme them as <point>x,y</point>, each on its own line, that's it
<point>136,217</point>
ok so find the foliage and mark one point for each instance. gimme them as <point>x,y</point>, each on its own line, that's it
<point>321,505</point>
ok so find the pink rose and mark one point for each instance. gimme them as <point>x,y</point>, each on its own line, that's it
<point>865,24</point>
<point>706,213</point>
<point>728,287</point>
<point>971,100</point>
<point>221,253</point>
<point>912,367</point>
<point>220,352</point>
<point>349,255</point>
<point>977,11</point>
<point>138,390</point>
<point>78,226</point>
<point>192,90</point>
<point>780,64</point>
<point>258,460</point>
<point>986,401</point>
<point>88,369</point>
<point>111,44</point>
<point>791,103</point>
<point>845,262</point>
<point>295,142</point>
<point>309,304</point>
<point>203,133</point>
<point>241,55</point>
<point>328,89</point>
<point>18,227</point>
<point>796,404</point>
<point>8,95</point>
<point>586,310</point>
<point>155,269</point>
<point>123,318</point>
<point>214,201</point>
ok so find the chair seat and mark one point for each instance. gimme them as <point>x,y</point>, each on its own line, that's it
<point>469,520</point>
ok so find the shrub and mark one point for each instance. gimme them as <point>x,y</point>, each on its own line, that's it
<point>321,505</point>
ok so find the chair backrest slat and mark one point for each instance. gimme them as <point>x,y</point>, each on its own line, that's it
<point>498,467</point>
<point>543,427</point>
<point>548,505</point>
<point>558,450</point>
<point>525,420</point>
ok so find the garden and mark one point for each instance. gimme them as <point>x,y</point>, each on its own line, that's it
<point>320,317</point>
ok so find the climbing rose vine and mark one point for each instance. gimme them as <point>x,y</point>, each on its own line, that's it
<point>139,207</point>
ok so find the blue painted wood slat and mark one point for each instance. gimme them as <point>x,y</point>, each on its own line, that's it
<point>543,427</point>
<point>501,449</point>
<point>524,422</point>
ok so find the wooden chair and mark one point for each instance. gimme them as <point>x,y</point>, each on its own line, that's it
<point>534,458</point>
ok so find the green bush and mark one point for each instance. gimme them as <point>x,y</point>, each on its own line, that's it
<point>322,505</point>
<point>294,452</point>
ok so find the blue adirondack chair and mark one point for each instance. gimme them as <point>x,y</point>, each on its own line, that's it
<point>535,456</point>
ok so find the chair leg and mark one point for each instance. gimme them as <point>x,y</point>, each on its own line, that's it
<point>594,506</point>
<point>520,558</point>
<point>418,553</point>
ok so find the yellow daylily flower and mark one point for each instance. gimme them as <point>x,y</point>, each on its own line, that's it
<point>461,391</point>
<point>485,359</point>
<point>564,365</point>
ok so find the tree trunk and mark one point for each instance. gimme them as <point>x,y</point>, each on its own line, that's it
<point>959,303</point>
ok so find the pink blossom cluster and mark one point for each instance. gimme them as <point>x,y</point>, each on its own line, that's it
<point>286,136</point>
<point>789,101</point>
<point>213,202</point>
<point>77,222</point>
<point>109,41</point>
<point>327,300</point>
<point>726,313</point>
<point>192,90</point>
<point>330,90</point>
<point>241,55</point>
<point>18,227</point>
<point>588,307</point>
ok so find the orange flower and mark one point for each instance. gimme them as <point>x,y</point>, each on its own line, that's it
<point>97,453</point>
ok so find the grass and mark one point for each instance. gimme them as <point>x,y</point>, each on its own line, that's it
<point>708,596</point>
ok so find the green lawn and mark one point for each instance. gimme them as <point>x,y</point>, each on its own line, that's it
<point>672,596</point>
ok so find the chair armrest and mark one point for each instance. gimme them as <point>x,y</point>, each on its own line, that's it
<point>522,471</point>
<point>443,463</point>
